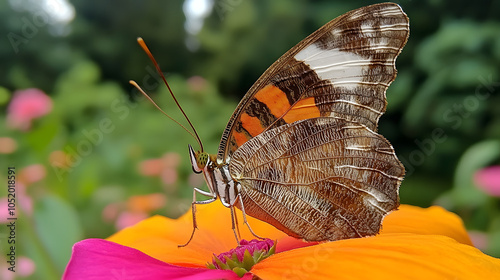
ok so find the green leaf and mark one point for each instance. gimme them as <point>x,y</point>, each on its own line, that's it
<point>4,95</point>
<point>58,228</point>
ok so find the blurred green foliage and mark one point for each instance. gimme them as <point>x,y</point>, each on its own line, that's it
<point>442,115</point>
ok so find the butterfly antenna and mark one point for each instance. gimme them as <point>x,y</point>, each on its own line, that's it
<point>148,52</point>
<point>157,107</point>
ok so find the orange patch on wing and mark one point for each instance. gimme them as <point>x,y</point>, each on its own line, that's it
<point>240,138</point>
<point>278,104</point>
<point>251,124</point>
<point>304,109</point>
<point>275,99</point>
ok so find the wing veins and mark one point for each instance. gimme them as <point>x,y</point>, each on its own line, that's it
<point>277,201</point>
<point>371,169</point>
<point>330,178</point>
<point>355,190</point>
<point>309,148</point>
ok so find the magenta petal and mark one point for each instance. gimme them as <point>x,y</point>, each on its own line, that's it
<point>102,259</point>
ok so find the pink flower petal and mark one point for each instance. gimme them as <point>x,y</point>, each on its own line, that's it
<point>27,105</point>
<point>101,259</point>
<point>488,179</point>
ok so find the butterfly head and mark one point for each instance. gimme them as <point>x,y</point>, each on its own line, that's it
<point>199,160</point>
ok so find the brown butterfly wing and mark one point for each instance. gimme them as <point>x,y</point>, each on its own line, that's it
<point>341,70</point>
<point>303,143</point>
<point>319,179</point>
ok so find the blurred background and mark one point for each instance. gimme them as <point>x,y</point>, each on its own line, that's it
<point>92,156</point>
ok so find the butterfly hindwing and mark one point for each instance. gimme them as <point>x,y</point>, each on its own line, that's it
<point>308,178</point>
<point>342,70</point>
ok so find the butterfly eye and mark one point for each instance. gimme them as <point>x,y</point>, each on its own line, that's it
<point>201,159</point>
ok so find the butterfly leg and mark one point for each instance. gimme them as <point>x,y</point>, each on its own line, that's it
<point>193,208</point>
<point>235,227</point>
<point>245,218</point>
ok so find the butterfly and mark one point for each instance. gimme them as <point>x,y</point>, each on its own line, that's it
<point>301,151</point>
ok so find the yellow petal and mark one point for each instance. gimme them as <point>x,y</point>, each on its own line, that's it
<point>388,256</point>
<point>433,220</point>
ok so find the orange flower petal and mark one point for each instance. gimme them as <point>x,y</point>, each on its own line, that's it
<point>433,220</point>
<point>159,236</point>
<point>387,256</point>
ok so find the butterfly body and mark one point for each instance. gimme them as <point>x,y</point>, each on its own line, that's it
<point>220,183</point>
<point>301,150</point>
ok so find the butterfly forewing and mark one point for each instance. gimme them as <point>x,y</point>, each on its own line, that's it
<point>341,70</point>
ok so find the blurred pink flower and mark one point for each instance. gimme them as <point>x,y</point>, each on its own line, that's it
<point>7,145</point>
<point>169,176</point>
<point>146,203</point>
<point>488,180</point>
<point>136,208</point>
<point>32,173</point>
<point>169,173</point>
<point>5,274</point>
<point>479,239</point>
<point>150,167</point>
<point>164,167</point>
<point>23,200</point>
<point>127,218</point>
<point>171,159</point>
<point>24,268</point>
<point>28,175</point>
<point>197,83</point>
<point>111,211</point>
<point>27,105</point>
